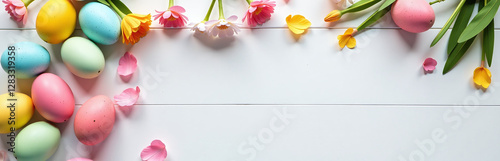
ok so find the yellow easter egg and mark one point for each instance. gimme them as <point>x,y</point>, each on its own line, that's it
<point>15,111</point>
<point>56,21</point>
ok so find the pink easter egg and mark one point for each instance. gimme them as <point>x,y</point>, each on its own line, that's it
<point>52,98</point>
<point>94,120</point>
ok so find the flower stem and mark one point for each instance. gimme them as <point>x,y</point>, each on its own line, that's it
<point>209,11</point>
<point>221,11</point>
<point>27,2</point>
<point>249,1</point>
<point>120,13</point>
<point>170,3</point>
<point>436,1</point>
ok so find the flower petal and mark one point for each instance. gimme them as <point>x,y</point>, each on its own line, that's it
<point>482,77</point>
<point>429,64</point>
<point>297,24</point>
<point>155,152</point>
<point>232,18</point>
<point>351,42</point>
<point>177,9</point>
<point>128,97</point>
<point>127,64</point>
<point>80,159</point>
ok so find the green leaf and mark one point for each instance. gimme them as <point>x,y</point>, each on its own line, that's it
<point>457,53</point>
<point>448,23</point>
<point>460,24</point>
<point>489,41</point>
<point>386,4</point>
<point>374,18</point>
<point>361,5</point>
<point>103,2</point>
<point>122,7</point>
<point>480,21</point>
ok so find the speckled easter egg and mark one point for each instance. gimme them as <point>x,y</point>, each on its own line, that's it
<point>27,59</point>
<point>37,142</point>
<point>94,120</point>
<point>52,98</point>
<point>56,21</point>
<point>15,116</point>
<point>99,23</point>
<point>82,57</point>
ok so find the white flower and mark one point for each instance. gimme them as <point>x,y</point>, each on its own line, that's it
<point>344,3</point>
<point>223,28</point>
<point>199,27</point>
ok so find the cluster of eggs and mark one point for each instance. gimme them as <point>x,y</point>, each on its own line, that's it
<point>51,96</point>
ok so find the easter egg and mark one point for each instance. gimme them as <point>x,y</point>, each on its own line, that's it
<point>52,98</point>
<point>15,111</point>
<point>26,59</point>
<point>82,57</point>
<point>414,16</point>
<point>37,142</point>
<point>94,120</point>
<point>99,23</point>
<point>56,21</point>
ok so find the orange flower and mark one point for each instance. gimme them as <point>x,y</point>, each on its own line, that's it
<point>134,27</point>
<point>347,39</point>
<point>333,16</point>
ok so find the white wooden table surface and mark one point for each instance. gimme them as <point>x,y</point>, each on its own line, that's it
<point>266,96</point>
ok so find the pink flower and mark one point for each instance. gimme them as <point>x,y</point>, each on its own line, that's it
<point>17,10</point>
<point>223,28</point>
<point>172,17</point>
<point>259,12</point>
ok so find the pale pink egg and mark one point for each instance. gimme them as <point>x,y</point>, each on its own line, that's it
<point>94,120</point>
<point>413,15</point>
<point>52,98</point>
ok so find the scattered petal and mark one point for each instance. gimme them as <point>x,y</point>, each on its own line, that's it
<point>128,97</point>
<point>127,64</point>
<point>155,152</point>
<point>298,24</point>
<point>482,77</point>
<point>3,155</point>
<point>429,64</point>
<point>347,39</point>
<point>80,159</point>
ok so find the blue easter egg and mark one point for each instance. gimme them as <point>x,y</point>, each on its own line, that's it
<point>26,59</point>
<point>99,23</point>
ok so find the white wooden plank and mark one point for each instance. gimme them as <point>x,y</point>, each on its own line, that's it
<point>320,133</point>
<point>314,10</point>
<point>268,66</point>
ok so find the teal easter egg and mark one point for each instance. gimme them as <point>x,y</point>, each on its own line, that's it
<point>82,57</point>
<point>37,142</point>
<point>99,23</point>
<point>25,59</point>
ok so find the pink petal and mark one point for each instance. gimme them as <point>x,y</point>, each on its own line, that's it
<point>232,18</point>
<point>177,9</point>
<point>128,97</point>
<point>80,159</point>
<point>429,64</point>
<point>155,152</point>
<point>127,64</point>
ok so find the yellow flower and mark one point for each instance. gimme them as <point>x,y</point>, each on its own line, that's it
<point>347,39</point>
<point>333,16</point>
<point>134,27</point>
<point>298,24</point>
<point>482,77</point>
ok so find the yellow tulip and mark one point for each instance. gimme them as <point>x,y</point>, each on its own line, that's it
<point>482,77</point>
<point>333,16</point>
<point>347,39</point>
